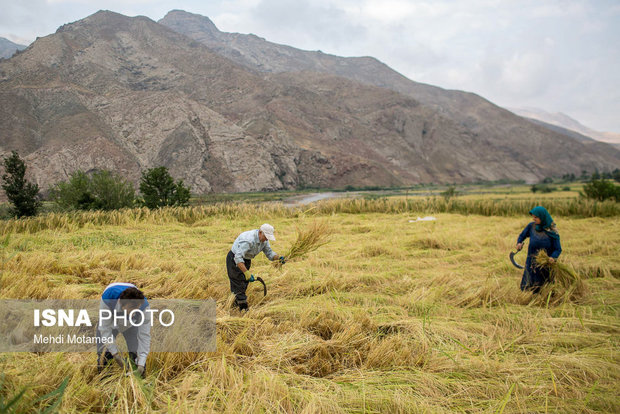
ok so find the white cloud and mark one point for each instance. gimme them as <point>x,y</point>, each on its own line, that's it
<point>553,9</point>
<point>388,11</point>
<point>526,74</point>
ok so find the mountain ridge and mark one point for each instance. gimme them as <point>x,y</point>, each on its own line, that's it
<point>565,121</point>
<point>365,69</point>
<point>124,93</point>
<point>8,48</point>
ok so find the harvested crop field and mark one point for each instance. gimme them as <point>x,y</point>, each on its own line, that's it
<point>388,316</point>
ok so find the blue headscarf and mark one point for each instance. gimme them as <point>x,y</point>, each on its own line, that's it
<point>546,222</point>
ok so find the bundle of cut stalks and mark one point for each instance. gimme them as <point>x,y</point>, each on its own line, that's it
<point>559,273</point>
<point>308,240</point>
<point>567,284</point>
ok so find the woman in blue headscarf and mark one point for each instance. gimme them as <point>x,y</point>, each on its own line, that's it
<point>543,235</point>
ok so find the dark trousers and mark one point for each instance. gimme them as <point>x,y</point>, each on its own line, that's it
<point>534,277</point>
<point>131,338</point>
<point>238,284</point>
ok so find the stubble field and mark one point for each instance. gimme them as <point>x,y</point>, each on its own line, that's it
<point>389,316</point>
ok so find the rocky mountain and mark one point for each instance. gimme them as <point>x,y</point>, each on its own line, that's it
<point>8,48</point>
<point>564,121</point>
<point>127,94</point>
<point>465,108</point>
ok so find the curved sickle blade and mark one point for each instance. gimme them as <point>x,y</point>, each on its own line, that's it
<point>260,279</point>
<point>512,259</point>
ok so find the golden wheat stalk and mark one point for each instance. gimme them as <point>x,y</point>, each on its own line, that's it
<point>308,240</point>
<point>559,273</point>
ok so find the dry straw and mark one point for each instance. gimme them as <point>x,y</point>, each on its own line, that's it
<point>567,283</point>
<point>559,273</point>
<point>395,323</point>
<point>397,205</point>
<point>308,240</point>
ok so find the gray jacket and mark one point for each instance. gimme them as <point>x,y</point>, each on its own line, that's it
<point>247,246</point>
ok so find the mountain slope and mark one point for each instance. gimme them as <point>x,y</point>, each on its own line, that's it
<point>114,92</point>
<point>127,94</point>
<point>488,122</point>
<point>260,55</point>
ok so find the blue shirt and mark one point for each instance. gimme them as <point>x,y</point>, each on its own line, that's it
<point>248,245</point>
<point>109,301</point>
<point>540,240</point>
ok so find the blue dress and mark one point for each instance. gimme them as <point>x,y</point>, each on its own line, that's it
<point>534,277</point>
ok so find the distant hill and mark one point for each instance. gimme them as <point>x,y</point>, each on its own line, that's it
<point>126,94</point>
<point>562,120</point>
<point>564,131</point>
<point>8,48</point>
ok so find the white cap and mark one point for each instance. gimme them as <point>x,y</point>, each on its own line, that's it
<point>267,230</point>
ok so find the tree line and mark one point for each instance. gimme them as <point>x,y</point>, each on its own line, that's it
<point>101,190</point>
<point>107,190</point>
<point>598,186</point>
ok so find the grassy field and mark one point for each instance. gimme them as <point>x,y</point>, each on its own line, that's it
<point>389,316</point>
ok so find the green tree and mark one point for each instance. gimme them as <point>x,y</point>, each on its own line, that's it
<point>182,194</point>
<point>111,191</point>
<point>601,190</point>
<point>74,193</point>
<point>105,190</point>
<point>20,192</point>
<point>159,189</point>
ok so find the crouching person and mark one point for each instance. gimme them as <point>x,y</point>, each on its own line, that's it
<point>120,299</point>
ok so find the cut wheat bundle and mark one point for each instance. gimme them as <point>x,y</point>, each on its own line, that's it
<point>567,283</point>
<point>308,240</point>
<point>559,273</point>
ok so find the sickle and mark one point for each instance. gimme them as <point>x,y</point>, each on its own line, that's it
<point>512,259</point>
<point>260,279</point>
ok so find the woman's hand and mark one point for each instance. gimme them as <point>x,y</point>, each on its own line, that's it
<point>551,260</point>
<point>519,246</point>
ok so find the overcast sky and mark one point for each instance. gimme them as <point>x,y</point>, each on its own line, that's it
<point>557,55</point>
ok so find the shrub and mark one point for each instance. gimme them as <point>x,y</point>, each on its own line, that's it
<point>105,190</point>
<point>110,191</point>
<point>21,193</point>
<point>601,190</point>
<point>159,189</point>
<point>72,194</point>
<point>542,188</point>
